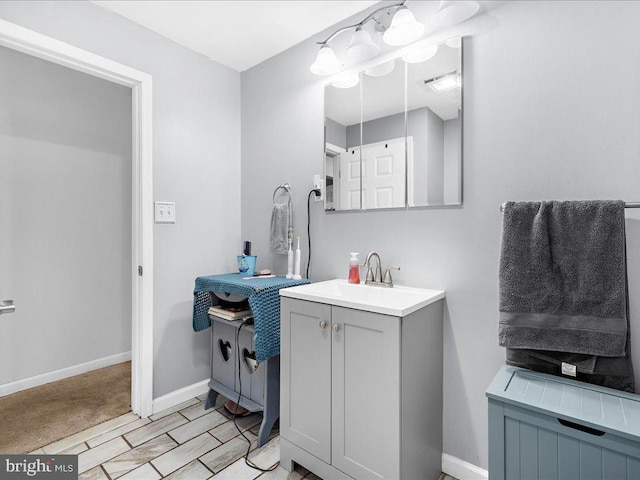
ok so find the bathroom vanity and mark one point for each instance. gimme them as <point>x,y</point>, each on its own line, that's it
<point>361,380</point>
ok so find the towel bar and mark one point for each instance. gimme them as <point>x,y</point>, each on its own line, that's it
<point>284,186</point>
<point>626,205</point>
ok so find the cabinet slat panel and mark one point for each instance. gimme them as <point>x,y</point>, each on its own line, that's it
<point>633,468</point>
<point>547,454</point>
<point>528,451</point>
<point>590,461</point>
<point>512,448</point>
<point>614,465</point>
<point>568,455</point>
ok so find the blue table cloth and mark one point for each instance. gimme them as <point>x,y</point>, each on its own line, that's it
<point>264,300</point>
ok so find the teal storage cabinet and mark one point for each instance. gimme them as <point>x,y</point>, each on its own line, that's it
<point>552,428</point>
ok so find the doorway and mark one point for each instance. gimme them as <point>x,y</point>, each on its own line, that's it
<point>141,275</point>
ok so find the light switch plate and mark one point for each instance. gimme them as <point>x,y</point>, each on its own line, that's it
<point>165,212</point>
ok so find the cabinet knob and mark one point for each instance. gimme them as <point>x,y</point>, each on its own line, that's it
<point>323,324</point>
<point>336,327</point>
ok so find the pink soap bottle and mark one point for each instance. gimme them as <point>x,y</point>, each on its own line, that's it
<point>354,268</point>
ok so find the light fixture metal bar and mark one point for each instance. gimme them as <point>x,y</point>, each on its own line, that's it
<point>434,79</point>
<point>367,18</point>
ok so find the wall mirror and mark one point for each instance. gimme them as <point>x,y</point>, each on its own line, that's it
<point>393,132</point>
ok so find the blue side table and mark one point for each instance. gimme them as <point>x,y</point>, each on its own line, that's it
<point>245,359</point>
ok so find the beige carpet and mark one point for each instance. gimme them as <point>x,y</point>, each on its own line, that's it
<point>36,417</point>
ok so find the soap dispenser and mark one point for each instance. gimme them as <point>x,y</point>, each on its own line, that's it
<point>354,268</point>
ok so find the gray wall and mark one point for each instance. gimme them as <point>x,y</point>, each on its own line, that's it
<point>452,162</point>
<point>540,122</point>
<point>196,155</point>
<point>65,164</point>
<point>336,133</point>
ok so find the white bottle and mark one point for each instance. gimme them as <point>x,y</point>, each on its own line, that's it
<point>290,260</point>
<point>296,274</point>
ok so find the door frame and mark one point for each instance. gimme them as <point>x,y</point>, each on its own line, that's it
<point>32,43</point>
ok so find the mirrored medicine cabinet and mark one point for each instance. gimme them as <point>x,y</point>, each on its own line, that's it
<point>394,139</point>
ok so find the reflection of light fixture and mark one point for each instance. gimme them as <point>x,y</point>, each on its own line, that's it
<point>382,69</point>
<point>454,42</point>
<point>346,80</point>
<point>404,29</point>
<point>326,62</point>
<point>420,54</point>
<point>452,12</point>
<point>445,82</point>
<point>362,45</point>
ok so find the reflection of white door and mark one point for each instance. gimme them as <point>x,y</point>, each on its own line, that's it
<point>383,182</point>
<point>349,178</point>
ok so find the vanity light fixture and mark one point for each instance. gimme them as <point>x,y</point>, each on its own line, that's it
<point>362,45</point>
<point>443,83</point>
<point>346,80</point>
<point>382,69</point>
<point>420,54</point>
<point>326,62</point>
<point>453,12</point>
<point>402,30</point>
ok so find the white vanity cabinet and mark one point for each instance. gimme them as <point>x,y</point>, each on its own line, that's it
<point>361,392</point>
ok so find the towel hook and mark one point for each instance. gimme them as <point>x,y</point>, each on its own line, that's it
<point>287,188</point>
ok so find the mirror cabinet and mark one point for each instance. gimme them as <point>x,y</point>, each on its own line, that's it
<point>393,133</point>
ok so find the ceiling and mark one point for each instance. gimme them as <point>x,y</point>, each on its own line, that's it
<point>240,33</point>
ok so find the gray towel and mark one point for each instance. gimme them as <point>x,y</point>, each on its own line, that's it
<point>281,228</point>
<point>562,279</point>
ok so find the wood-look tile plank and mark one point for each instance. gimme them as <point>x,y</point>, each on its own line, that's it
<point>203,397</point>
<point>194,411</point>
<point>96,473</point>
<point>105,437</point>
<point>145,472</point>
<point>197,426</point>
<point>227,453</point>
<point>185,453</point>
<point>238,470</point>
<point>118,466</point>
<point>191,471</point>
<point>228,430</point>
<point>154,429</point>
<point>281,474</point>
<point>75,450</point>
<point>267,455</point>
<point>273,434</point>
<point>170,410</point>
<point>71,441</point>
<point>102,453</point>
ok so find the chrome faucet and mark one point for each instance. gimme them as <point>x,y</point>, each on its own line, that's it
<point>376,278</point>
<point>370,277</point>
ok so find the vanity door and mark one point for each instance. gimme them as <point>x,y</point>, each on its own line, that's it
<point>365,393</point>
<point>305,376</point>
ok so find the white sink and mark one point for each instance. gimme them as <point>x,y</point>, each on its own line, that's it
<point>398,301</point>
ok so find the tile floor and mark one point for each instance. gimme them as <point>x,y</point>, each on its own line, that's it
<point>185,442</point>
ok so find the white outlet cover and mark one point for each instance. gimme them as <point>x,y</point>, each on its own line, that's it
<point>165,212</point>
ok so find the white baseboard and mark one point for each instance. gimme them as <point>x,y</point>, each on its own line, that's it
<point>49,377</point>
<point>180,395</point>
<point>462,470</point>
